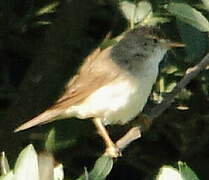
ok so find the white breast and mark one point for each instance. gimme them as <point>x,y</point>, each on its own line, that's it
<point>116,103</point>
<point>121,100</point>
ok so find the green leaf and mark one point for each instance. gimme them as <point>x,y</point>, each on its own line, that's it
<point>53,143</point>
<point>50,143</point>
<point>196,42</point>
<point>4,164</point>
<point>206,4</point>
<point>168,173</point>
<point>135,12</point>
<point>101,169</point>
<point>186,172</point>
<point>107,43</point>
<point>152,20</point>
<point>128,9</point>
<point>189,15</point>
<point>142,10</point>
<point>49,8</point>
<point>8,176</point>
<point>58,172</point>
<point>26,166</point>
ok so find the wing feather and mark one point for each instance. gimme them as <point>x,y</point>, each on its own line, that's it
<point>98,69</point>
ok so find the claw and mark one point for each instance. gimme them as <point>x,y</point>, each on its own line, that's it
<point>113,151</point>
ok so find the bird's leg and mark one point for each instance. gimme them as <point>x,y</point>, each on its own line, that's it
<point>111,148</point>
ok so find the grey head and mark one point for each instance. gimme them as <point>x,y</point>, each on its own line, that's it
<point>137,46</point>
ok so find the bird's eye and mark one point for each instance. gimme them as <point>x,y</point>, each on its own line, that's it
<point>145,44</point>
<point>155,41</point>
<point>139,55</point>
<point>125,61</point>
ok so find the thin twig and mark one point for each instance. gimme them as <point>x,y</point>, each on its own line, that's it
<point>133,134</point>
<point>190,74</point>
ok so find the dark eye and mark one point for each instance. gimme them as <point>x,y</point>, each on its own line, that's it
<point>125,61</point>
<point>138,55</point>
<point>155,40</point>
<point>145,44</point>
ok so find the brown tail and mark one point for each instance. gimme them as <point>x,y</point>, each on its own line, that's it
<point>43,118</point>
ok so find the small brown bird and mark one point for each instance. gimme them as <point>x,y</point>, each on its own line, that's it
<point>112,85</point>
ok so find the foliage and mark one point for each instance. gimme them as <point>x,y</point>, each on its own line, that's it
<point>43,42</point>
<point>30,166</point>
<point>182,173</point>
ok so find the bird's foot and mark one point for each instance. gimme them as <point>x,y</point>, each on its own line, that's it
<point>113,151</point>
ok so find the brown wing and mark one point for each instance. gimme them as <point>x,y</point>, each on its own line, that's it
<point>97,71</point>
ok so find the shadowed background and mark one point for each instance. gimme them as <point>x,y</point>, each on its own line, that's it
<point>40,51</point>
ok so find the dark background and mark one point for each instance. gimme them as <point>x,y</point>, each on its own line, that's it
<point>40,52</point>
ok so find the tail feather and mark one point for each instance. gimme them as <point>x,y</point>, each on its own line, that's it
<point>43,118</point>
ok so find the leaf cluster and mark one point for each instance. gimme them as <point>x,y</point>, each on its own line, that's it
<point>43,42</point>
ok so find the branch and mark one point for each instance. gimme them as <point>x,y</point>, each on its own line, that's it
<point>191,73</point>
<point>135,132</point>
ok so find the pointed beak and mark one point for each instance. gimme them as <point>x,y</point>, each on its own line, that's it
<point>171,44</point>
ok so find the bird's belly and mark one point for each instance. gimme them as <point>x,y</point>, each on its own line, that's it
<point>116,103</point>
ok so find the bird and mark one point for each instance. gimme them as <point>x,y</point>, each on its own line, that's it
<point>112,85</point>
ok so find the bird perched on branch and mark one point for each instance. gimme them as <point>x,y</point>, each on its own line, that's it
<point>112,85</point>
